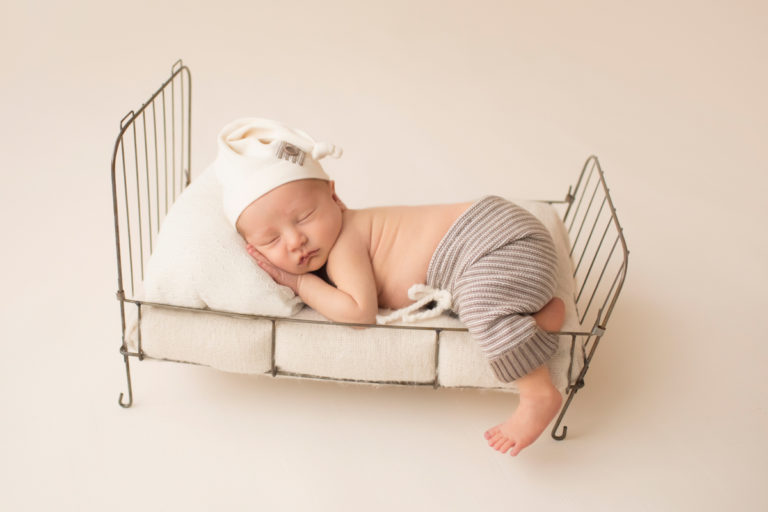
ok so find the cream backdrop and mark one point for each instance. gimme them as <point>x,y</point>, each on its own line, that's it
<point>432,101</point>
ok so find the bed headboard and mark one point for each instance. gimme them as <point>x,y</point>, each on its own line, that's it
<point>150,167</point>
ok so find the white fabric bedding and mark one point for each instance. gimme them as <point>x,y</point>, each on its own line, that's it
<point>201,262</point>
<point>377,354</point>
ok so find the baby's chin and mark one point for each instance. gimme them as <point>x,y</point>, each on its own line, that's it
<point>314,267</point>
<point>315,264</point>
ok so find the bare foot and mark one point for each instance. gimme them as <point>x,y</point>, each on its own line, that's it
<point>532,416</point>
<point>539,399</point>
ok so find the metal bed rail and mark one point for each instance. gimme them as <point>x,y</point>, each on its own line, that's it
<point>151,166</point>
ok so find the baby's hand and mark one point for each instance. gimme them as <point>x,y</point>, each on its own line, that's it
<point>279,275</point>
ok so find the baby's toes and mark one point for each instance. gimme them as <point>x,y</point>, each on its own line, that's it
<point>491,432</point>
<point>495,438</point>
<point>506,445</point>
<point>497,443</point>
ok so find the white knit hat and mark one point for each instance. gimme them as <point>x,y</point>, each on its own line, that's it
<point>257,155</point>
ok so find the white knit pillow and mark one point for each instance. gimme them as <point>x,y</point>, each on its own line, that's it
<point>200,261</point>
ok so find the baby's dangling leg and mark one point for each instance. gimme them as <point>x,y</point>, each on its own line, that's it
<point>539,402</point>
<point>539,399</point>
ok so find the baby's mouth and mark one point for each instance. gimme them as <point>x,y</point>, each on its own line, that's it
<point>304,259</point>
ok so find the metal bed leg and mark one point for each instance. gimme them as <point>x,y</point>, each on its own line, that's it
<point>130,389</point>
<point>573,389</point>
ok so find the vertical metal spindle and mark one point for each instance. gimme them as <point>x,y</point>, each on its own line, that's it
<point>157,167</point>
<point>147,180</point>
<point>586,215</point>
<point>570,363</point>
<point>599,245</point>
<point>189,123</point>
<point>591,232</point>
<point>173,134</point>
<point>183,168</point>
<point>599,279</point>
<point>127,213</point>
<point>273,369</point>
<point>165,151</point>
<point>572,193</point>
<point>610,291</point>
<point>138,200</point>
<point>581,199</point>
<point>592,264</point>
<point>138,329</point>
<point>436,383</point>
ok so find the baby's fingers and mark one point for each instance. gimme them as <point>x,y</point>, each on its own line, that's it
<point>254,253</point>
<point>266,266</point>
<point>264,263</point>
<point>261,260</point>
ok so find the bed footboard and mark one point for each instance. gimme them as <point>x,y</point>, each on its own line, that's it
<point>600,256</point>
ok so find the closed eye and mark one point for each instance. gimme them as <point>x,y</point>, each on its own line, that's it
<point>271,241</point>
<point>306,216</point>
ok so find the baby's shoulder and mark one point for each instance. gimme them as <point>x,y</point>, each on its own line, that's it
<point>355,231</point>
<point>351,251</point>
<point>357,222</point>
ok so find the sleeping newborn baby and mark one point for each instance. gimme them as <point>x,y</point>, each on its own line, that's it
<point>496,259</point>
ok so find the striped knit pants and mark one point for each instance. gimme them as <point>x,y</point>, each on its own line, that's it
<point>499,263</point>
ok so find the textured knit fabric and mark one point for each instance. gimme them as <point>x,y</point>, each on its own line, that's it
<point>499,263</point>
<point>258,155</point>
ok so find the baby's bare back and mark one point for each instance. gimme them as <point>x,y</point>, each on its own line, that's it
<point>401,241</point>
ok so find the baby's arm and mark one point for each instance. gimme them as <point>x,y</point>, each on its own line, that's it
<point>353,300</point>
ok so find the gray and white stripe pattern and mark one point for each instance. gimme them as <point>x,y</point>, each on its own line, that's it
<point>499,263</point>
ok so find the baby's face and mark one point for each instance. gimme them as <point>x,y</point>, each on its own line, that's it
<point>295,225</point>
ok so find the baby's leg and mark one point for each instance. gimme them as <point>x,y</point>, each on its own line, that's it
<point>539,399</point>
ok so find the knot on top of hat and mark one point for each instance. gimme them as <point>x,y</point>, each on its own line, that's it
<point>323,149</point>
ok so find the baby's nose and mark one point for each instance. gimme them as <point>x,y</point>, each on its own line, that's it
<point>297,240</point>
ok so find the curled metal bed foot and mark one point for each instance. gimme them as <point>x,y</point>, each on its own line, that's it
<point>555,435</point>
<point>572,392</point>
<point>130,401</point>
<point>130,388</point>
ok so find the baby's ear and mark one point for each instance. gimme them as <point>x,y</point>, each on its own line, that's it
<point>332,188</point>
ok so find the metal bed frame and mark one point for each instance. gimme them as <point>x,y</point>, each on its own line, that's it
<point>151,163</point>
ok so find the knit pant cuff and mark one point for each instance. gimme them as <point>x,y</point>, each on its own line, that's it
<point>524,357</point>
